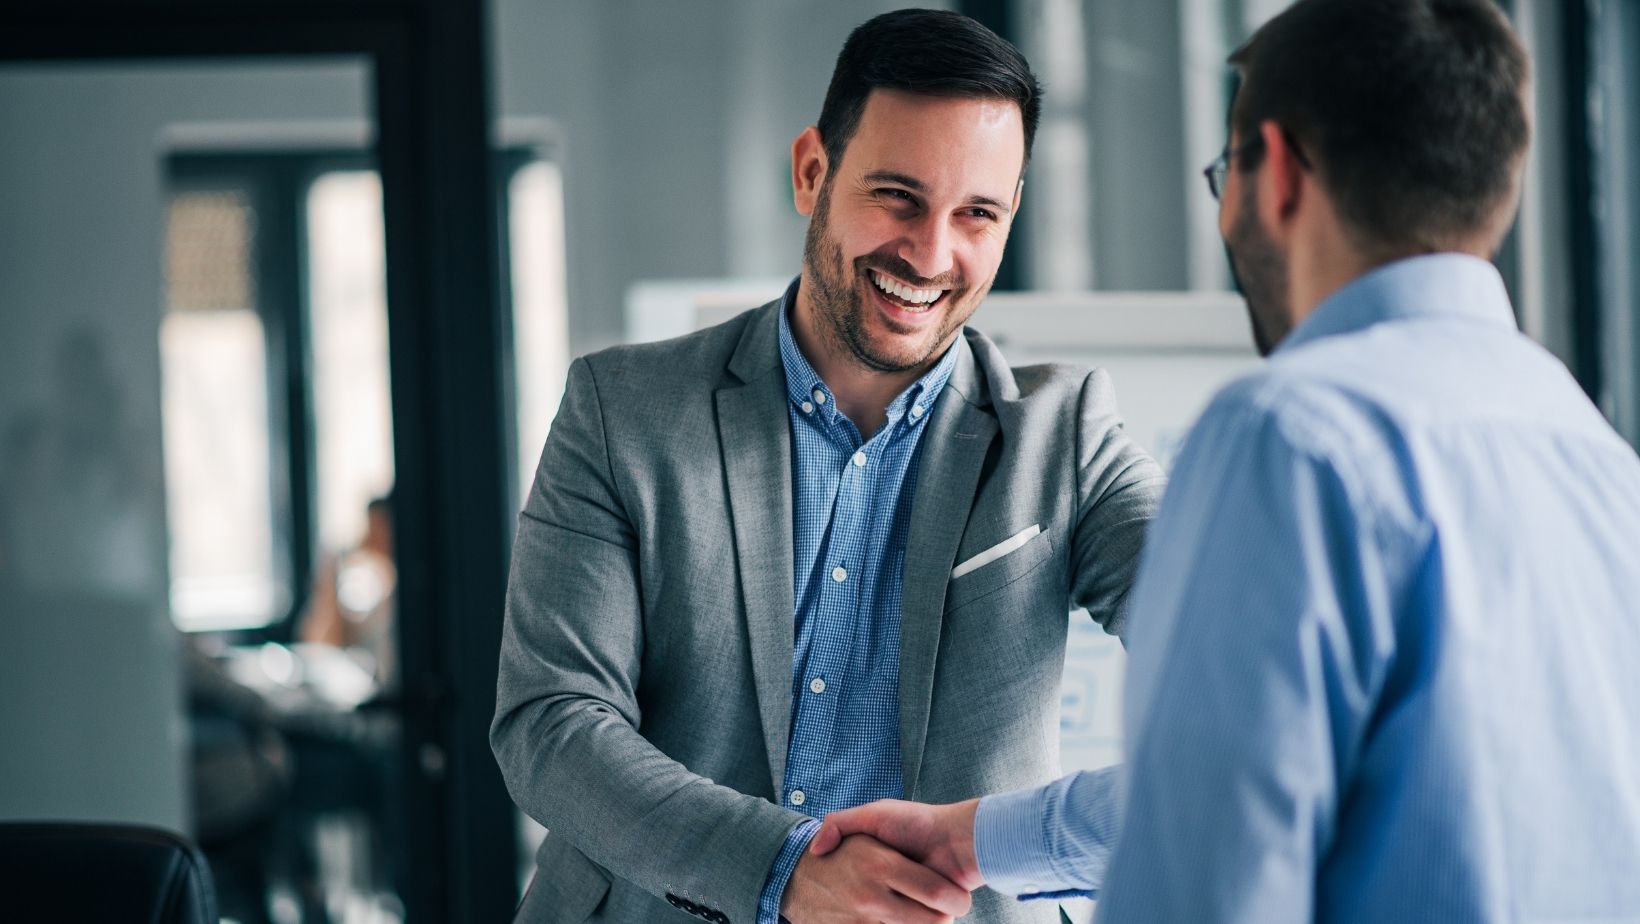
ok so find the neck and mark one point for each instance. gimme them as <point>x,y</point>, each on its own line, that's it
<point>1324,259</point>
<point>862,393</point>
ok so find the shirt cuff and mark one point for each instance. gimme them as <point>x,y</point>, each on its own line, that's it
<point>1053,841</point>
<point>785,863</point>
<point>1009,842</point>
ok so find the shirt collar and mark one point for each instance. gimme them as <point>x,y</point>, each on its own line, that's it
<point>1446,285</point>
<point>809,393</point>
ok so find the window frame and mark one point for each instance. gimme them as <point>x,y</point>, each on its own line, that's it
<point>277,183</point>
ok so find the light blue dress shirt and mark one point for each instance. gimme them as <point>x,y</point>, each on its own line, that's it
<point>1384,648</point>
<point>851,512</point>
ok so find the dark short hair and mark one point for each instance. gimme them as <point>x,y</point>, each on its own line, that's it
<point>932,52</point>
<point>1413,111</point>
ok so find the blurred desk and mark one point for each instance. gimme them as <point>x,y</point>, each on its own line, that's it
<point>302,676</point>
<point>341,828</point>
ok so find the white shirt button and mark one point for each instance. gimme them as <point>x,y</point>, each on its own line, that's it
<point>860,460</point>
<point>808,408</point>
<point>916,410</point>
<point>839,574</point>
<point>797,797</point>
<point>817,686</point>
<point>819,396</point>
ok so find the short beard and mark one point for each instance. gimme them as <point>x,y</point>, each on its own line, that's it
<point>836,298</point>
<point>1259,270</point>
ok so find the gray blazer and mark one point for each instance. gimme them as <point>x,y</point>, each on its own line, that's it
<point>644,703</point>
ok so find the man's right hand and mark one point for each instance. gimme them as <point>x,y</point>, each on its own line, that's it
<point>941,836</point>
<point>863,880</point>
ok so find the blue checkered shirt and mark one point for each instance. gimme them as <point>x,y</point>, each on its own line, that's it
<point>851,510</point>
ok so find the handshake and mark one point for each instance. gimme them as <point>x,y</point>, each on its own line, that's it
<point>889,861</point>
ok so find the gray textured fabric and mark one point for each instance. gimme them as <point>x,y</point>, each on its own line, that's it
<point>644,701</point>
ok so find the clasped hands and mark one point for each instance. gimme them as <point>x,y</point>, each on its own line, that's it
<point>889,861</point>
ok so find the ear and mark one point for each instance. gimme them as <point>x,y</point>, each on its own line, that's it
<point>1283,181</point>
<point>1019,194</point>
<point>809,166</point>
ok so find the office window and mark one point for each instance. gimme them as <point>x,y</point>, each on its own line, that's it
<point>347,319</point>
<point>278,403</point>
<point>1135,107</point>
<point>1615,96</point>
<point>534,205</point>
<point>219,500</point>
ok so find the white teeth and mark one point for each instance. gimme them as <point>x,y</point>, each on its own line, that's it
<point>901,290</point>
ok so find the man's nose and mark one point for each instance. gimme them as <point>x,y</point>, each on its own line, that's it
<point>928,247</point>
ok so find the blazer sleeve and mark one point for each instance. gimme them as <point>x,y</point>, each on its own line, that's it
<point>567,713</point>
<point>1119,487</point>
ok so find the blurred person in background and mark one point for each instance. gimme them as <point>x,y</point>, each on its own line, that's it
<point>352,603</point>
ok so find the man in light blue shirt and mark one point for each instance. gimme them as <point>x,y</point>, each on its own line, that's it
<point>1385,643</point>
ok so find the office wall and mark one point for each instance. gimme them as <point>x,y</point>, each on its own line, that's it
<point>90,685</point>
<point>1140,235</point>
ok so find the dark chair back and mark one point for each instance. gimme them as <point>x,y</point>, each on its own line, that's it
<point>69,873</point>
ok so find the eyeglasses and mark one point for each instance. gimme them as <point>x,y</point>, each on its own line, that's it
<point>1218,171</point>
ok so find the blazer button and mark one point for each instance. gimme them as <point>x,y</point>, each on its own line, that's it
<point>673,900</point>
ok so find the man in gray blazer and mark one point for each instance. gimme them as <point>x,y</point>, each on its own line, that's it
<point>823,553</point>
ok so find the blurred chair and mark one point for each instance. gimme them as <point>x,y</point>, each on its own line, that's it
<point>69,873</point>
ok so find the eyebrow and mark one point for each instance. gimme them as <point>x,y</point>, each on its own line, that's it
<point>916,185</point>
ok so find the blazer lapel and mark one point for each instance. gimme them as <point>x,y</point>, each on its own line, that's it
<point>754,434</point>
<point>952,455</point>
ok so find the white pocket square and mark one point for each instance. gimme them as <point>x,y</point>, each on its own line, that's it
<point>1007,546</point>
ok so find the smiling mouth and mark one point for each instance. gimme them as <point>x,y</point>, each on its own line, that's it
<point>905,297</point>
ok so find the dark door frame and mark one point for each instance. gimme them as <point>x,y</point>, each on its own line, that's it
<point>1582,148</point>
<point>445,330</point>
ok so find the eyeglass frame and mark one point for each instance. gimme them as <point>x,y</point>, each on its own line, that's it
<point>1217,173</point>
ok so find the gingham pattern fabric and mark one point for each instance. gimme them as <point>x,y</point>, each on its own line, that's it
<point>851,512</point>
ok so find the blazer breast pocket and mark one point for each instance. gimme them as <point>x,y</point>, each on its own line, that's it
<point>995,568</point>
